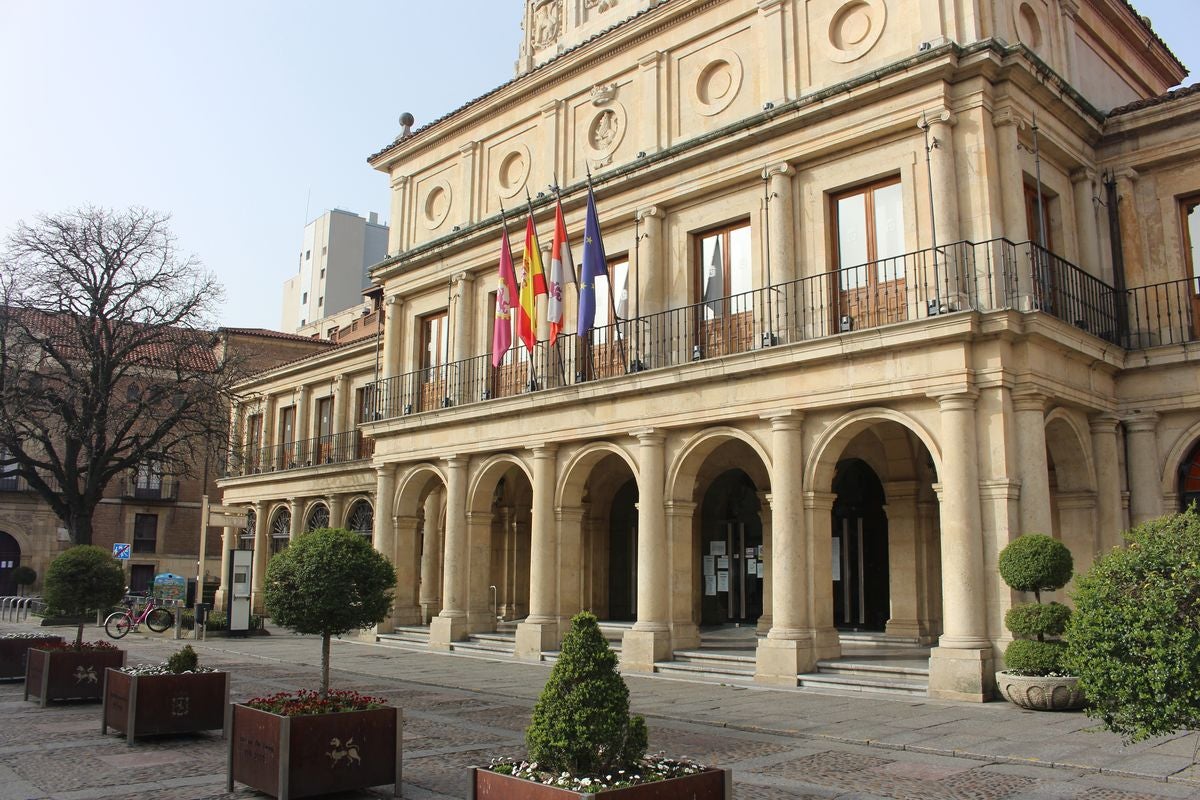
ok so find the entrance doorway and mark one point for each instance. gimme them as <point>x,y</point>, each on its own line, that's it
<point>731,551</point>
<point>622,554</point>
<point>10,559</point>
<point>861,599</point>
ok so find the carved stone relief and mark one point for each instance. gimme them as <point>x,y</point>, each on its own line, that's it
<point>855,28</point>
<point>605,132</point>
<point>547,23</point>
<point>718,82</point>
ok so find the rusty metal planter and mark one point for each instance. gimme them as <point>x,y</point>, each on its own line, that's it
<point>711,784</point>
<point>68,674</point>
<point>149,705</point>
<point>303,756</point>
<point>13,653</point>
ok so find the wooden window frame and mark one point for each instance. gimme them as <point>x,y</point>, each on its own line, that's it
<point>845,305</point>
<point>699,267</point>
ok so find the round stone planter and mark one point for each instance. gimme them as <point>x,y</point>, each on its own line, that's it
<point>711,784</point>
<point>1041,693</point>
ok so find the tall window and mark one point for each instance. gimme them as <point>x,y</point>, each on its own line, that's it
<point>287,438</point>
<point>145,533</point>
<point>364,404</point>
<point>723,269</point>
<point>1189,211</point>
<point>869,225</point>
<point>324,430</point>
<point>615,286</point>
<point>148,480</point>
<point>254,426</point>
<point>435,345</point>
<point>1035,225</point>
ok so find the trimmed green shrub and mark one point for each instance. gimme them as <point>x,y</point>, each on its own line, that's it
<point>1036,563</point>
<point>1135,635</point>
<point>581,723</point>
<point>183,660</point>
<point>81,579</point>
<point>328,582</point>
<point>1032,619</point>
<point>24,576</point>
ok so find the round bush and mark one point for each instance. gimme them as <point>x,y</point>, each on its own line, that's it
<point>581,723</point>
<point>1029,657</point>
<point>24,576</point>
<point>1035,563</point>
<point>82,579</point>
<point>1135,635</point>
<point>1037,619</point>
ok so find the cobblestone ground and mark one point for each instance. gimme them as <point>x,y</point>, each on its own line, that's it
<point>59,751</point>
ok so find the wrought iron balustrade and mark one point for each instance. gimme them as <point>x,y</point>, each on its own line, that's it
<point>1163,313</point>
<point>335,448</point>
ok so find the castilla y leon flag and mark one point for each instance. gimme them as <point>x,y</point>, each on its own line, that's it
<point>506,292</point>
<point>533,283</point>
<point>594,265</point>
<point>562,272</point>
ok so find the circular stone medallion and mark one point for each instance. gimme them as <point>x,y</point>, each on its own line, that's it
<point>855,28</point>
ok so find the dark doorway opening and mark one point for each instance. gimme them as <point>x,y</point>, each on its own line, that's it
<point>731,538</point>
<point>10,559</point>
<point>622,554</point>
<point>861,600</point>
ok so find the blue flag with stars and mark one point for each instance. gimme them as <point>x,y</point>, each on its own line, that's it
<point>594,265</point>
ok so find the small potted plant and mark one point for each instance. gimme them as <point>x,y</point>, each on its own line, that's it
<point>79,581</point>
<point>176,696</point>
<point>1035,677</point>
<point>582,739</point>
<point>298,744</point>
<point>14,649</point>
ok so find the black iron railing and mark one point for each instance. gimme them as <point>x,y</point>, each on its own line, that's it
<point>1163,313</point>
<point>335,448</point>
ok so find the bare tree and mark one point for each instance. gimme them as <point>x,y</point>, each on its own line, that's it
<point>106,357</point>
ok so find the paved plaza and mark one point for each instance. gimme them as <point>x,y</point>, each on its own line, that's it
<point>461,710</point>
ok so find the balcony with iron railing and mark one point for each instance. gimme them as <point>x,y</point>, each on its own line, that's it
<point>141,487</point>
<point>335,448</point>
<point>983,276</point>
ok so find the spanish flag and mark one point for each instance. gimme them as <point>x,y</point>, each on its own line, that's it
<point>533,283</point>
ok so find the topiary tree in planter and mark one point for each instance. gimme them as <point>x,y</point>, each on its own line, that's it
<point>83,579</point>
<point>1135,635</point>
<point>1037,563</point>
<point>581,723</point>
<point>329,582</point>
<point>23,577</point>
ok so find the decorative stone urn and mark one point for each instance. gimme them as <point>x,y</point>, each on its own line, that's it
<point>1041,692</point>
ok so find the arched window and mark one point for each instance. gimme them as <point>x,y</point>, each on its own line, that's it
<point>1189,479</point>
<point>246,538</point>
<point>362,518</point>
<point>318,518</point>
<point>281,530</point>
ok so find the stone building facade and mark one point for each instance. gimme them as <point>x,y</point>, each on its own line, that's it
<point>901,281</point>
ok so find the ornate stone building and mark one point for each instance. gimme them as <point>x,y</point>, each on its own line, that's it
<point>900,282</point>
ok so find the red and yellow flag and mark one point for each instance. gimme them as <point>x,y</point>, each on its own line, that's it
<point>533,283</point>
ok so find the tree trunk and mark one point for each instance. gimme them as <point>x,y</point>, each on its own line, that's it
<point>324,665</point>
<point>80,527</point>
<point>79,635</point>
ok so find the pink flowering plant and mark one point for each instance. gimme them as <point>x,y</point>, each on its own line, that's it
<point>305,703</point>
<point>77,647</point>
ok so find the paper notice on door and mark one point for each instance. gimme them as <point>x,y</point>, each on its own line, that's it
<point>710,585</point>
<point>722,581</point>
<point>710,565</point>
<point>722,562</point>
<point>751,567</point>
<point>717,548</point>
<point>760,569</point>
<point>837,559</point>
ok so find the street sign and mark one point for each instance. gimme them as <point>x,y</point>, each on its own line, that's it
<point>227,516</point>
<point>121,551</point>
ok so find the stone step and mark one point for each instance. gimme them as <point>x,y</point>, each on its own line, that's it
<point>498,636</point>
<point>473,645</point>
<point>869,668</point>
<point>714,657</point>
<point>404,638</point>
<point>707,670</point>
<point>863,683</point>
<point>875,639</point>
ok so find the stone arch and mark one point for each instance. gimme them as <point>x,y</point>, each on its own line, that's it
<point>363,521</point>
<point>312,512</point>
<point>684,469</point>
<point>1180,449</point>
<point>412,487</point>
<point>483,482</point>
<point>826,451</point>
<point>576,471</point>
<point>18,533</point>
<point>1069,447</point>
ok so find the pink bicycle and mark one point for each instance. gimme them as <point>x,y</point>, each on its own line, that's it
<point>157,618</point>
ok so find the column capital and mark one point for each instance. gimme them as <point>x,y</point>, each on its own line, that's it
<point>464,278</point>
<point>963,399</point>
<point>783,169</point>
<point>568,514</point>
<point>769,6</point>
<point>384,471</point>
<point>1126,175</point>
<point>1069,8</point>
<point>1104,422</point>
<point>650,211</point>
<point>543,449</point>
<point>1009,116</point>
<point>455,461</point>
<point>819,501</point>
<point>788,419</point>
<point>1141,422</point>
<point>937,116</point>
<point>468,148</point>
<point>551,108</point>
<point>399,182</point>
<point>649,436</point>
<point>393,300</point>
<point>1029,399</point>
<point>679,508</point>
<point>406,521</point>
<point>651,59</point>
<point>479,517</point>
<point>1083,175</point>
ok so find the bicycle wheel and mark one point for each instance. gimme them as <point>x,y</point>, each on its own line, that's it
<point>160,619</point>
<point>118,624</point>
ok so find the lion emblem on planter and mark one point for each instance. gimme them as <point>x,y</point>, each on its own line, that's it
<point>340,752</point>
<point>86,674</point>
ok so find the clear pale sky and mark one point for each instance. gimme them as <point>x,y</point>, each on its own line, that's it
<point>247,119</point>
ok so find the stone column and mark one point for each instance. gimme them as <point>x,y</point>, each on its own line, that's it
<point>1083,186</point>
<point>406,609</point>
<point>781,220</point>
<point>650,638</point>
<point>389,366</point>
<point>462,389</point>
<point>431,557</point>
<point>296,508</point>
<point>262,553</point>
<point>907,567</point>
<point>1110,520</point>
<point>337,509</point>
<point>818,511</point>
<point>1029,408</point>
<point>397,223</point>
<point>685,633</point>
<point>1011,180</point>
<point>228,542</point>
<point>788,648</point>
<point>539,631</point>
<point>1069,10</point>
<point>764,515</point>
<point>649,272</point>
<point>1132,246</point>
<point>550,151</point>
<point>1145,493</point>
<point>451,624</point>
<point>236,462</point>
<point>961,666</point>
<point>479,607</point>
<point>944,190</point>
<point>384,534</point>
<point>570,564</point>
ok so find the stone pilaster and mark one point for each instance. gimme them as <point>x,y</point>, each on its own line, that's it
<point>540,630</point>
<point>1110,518</point>
<point>1029,408</point>
<point>1145,493</point>
<point>650,638</point>
<point>451,623</point>
<point>262,553</point>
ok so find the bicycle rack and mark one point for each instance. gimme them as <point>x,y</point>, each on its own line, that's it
<point>16,608</point>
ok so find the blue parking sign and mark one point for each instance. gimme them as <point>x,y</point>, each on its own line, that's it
<point>121,551</point>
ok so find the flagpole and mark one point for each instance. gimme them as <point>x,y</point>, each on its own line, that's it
<point>504,225</point>
<point>636,365</point>
<point>562,368</point>
<point>533,319</point>
<point>612,303</point>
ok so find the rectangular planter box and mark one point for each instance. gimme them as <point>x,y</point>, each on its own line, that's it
<point>289,757</point>
<point>67,674</point>
<point>149,705</point>
<point>711,784</point>
<point>14,652</point>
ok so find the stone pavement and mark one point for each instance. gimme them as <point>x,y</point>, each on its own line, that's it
<point>461,710</point>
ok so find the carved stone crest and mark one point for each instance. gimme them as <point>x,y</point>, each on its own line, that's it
<point>603,93</point>
<point>547,22</point>
<point>605,130</point>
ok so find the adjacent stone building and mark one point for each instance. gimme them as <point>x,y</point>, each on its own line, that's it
<point>902,281</point>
